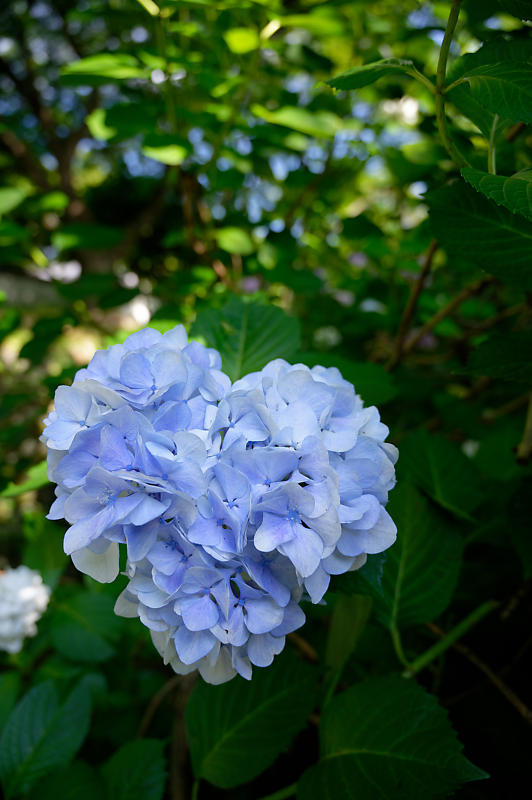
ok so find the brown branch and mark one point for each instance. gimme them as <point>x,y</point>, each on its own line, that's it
<point>306,649</point>
<point>411,305</point>
<point>155,702</point>
<point>515,131</point>
<point>495,679</point>
<point>465,294</point>
<point>524,448</point>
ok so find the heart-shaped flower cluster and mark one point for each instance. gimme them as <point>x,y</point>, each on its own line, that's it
<point>235,502</point>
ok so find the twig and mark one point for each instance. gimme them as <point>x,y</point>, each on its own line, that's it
<point>499,684</point>
<point>411,305</point>
<point>444,312</point>
<point>282,794</point>
<point>304,647</point>
<point>524,448</point>
<point>515,131</point>
<point>155,702</point>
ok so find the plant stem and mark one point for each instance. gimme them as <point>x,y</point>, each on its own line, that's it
<point>398,645</point>
<point>195,790</point>
<point>492,157</point>
<point>449,639</point>
<point>439,100</point>
<point>288,791</point>
<point>524,448</point>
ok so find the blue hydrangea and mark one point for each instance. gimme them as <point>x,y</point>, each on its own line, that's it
<point>234,503</point>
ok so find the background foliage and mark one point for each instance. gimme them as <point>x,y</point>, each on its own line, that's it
<point>339,183</point>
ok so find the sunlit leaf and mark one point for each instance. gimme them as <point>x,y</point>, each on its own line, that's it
<point>241,40</point>
<point>357,77</point>
<point>322,124</point>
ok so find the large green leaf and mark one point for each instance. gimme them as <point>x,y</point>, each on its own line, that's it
<point>136,772</point>
<point>238,729</point>
<point>234,240</point>
<point>84,627</point>
<point>41,734</point>
<point>514,192</point>
<point>386,738</point>
<point>504,88</point>
<point>371,381</point>
<point>247,335</point>
<point>349,618</point>
<point>357,77</point>
<point>9,686</point>
<point>470,227</point>
<point>165,148</point>
<point>421,569</point>
<point>440,468</point>
<point>504,355</point>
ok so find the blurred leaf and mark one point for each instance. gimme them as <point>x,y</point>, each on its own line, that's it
<point>79,781</point>
<point>167,149</point>
<point>241,40</point>
<point>504,88</point>
<point>357,77</point>
<point>519,8</point>
<point>470,227</point>
<point>9,687</point>
<point>10,232</point>
<point>515,192</point>
<point>136,772</point>
<point>504,355</point>
<point>322,22</point>
<point>41,734</point>
<point>247,335</point>
<point>314,123</point>
<point>349,618</point>
<point>99,69</point>
<point>234,240</point>
<point>84,627</point>
<point>421,569</point>
<point>386,737</point>
<point>439,468</point>
<point>37,478</point>
<point>44,547</point>
<point>238,729</point>
<point>371,381</point>
<point>11,197</point>
<point>86,236</point>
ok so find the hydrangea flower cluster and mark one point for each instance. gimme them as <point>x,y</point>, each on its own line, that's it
<point>234,502</point>
<point>23,600</point>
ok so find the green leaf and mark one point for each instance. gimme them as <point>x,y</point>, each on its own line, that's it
<point>349,618</point>
<point>238,729</point>
<point>9,686</point>
<point>504,355</point>
<point>386,738</point>
<point>357,77</point>
<point>234,240</point>
<point>472,228</point>
<point>79,781</point>
<point>441,469</point>
<point>11,233</point>
<point>11,197</point>
<point>371,381</point>
<point>101,68</point>
<point>136,772</point>
<point>518,8</point>
<point>44,547</point>
<point>248,335</point>
<point>165,148</point>
<point>241,40</point>
<point>41,735</point>
<point>421,568</point>
<point>314,123</point>
<point>84,627</point>
<point>37,478</point>
<point>505,89</point>
<point>86,236</point>
<point>514,193</point>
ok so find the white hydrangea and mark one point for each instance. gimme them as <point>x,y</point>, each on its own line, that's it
<point>23,600</point>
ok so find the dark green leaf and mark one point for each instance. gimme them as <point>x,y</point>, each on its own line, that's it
<point>440,468</point>
<point>86,236</point>
<point>519,8</point>
<point>247,335</point>
<point>514,192</point>
<point>41,735</point>
<point>349,618</point>
<point>79,781</point>
<point>504,355</point>
<point>504,89</point>
<point>238,729</point>
<point>386,738</point>
<point>357,77</point>
<point>470,227</point>
<point>9,686</point>
<point>85,627</point>
<point>136,772</point>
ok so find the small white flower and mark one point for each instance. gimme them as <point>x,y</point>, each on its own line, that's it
<point>23,600</point>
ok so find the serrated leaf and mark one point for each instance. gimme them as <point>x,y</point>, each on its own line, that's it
<point>41,735</point>
<point>471,227</point>
<point>371,381</point>
<point>136,772</point>
<point>247,335</point>
<point>386,738</point>
<point>514,192</point>
<point>357,77</point>
<point>504,355</point>
<point>421,568</point>
<point>504,88</point>
<point>84,628</point>
<point>440,468</point>
<point>238,729</point>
